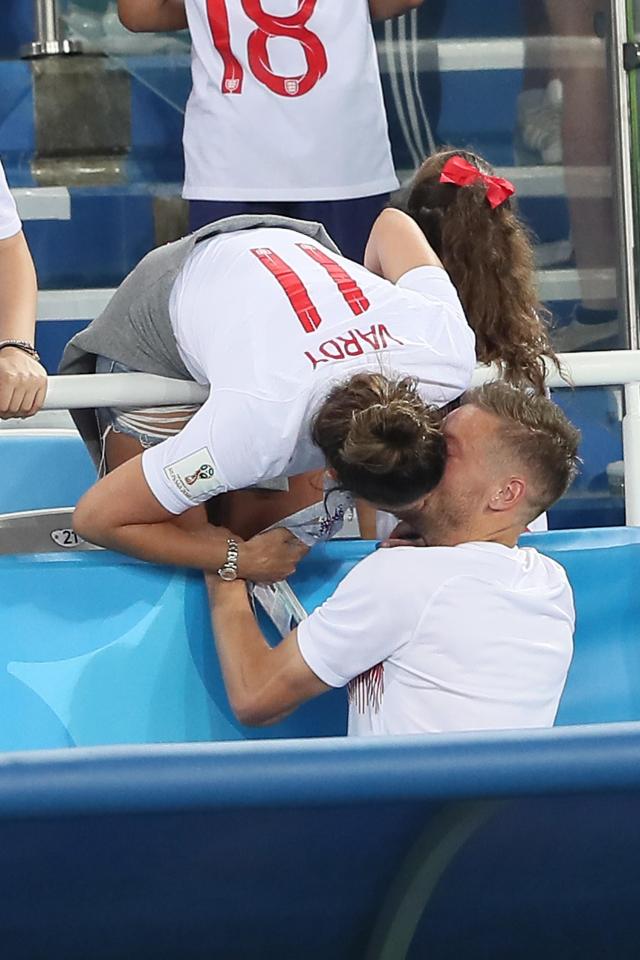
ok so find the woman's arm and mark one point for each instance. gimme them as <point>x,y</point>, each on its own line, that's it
<point>23,381</point>
<point>152,15</point>
<point>396,245</point>
<point>121,513</point>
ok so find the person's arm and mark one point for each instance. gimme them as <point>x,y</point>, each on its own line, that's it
<point>264,684</point>
<point>23,381</point>
<point>355,629</point>
<point>121,513</point>
<point>396,245</point>
<point>142,16</point>
<point>385,9</point>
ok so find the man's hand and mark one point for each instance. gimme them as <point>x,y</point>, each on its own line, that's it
<point>269,557</point>
<point>404,536</point>
<point>23,384</point>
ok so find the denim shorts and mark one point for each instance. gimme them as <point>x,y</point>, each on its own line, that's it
<point>148,425</point>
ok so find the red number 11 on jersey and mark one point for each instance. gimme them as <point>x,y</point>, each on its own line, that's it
<point>298,295</point>
<point>268,25</point>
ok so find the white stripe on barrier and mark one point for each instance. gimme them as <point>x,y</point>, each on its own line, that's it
<point>123,390</point>
<point>72,304</point>
<point>596,369</point>
<point>600,368</point>
<point>43,203</point>
<point>561,284</point>
<point>551,181</point>
<point>465,55</point>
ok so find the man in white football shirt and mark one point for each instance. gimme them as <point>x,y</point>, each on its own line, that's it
<point>286,113</point>
<point>468,633</point>
<point>23,381</point>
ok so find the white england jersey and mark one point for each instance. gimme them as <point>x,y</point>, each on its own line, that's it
<point>9,219</point>
<point>446,639</point>
<point>272,320</point>
<point>286,102</point>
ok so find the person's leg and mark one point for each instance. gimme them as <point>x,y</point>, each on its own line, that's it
<point>126,434</point>
<point>588,161</point>
<point>348,222</point>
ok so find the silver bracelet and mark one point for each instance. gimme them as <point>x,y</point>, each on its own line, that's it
<point>229,569</point>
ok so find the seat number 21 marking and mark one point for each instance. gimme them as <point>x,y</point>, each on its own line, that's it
<point>268,25</point>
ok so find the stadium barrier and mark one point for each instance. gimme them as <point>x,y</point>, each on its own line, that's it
<point>600,368</point>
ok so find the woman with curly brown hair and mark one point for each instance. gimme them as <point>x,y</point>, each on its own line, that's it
<point>467,215</point>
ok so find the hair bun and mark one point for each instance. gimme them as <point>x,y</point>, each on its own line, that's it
<point>381,438</point>
<point>380,435</point>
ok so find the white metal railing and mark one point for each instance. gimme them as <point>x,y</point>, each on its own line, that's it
<point>597,369</point>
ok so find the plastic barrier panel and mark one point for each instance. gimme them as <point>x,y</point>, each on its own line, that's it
<point>498,846</point>
<point>101,649</point>
<point>40,471</point>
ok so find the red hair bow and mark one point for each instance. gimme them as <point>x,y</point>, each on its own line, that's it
<point>459,171</point>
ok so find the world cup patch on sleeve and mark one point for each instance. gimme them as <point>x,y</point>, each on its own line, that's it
<point>195,476</point>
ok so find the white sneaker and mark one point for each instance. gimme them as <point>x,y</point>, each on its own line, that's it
<point>540,121</point>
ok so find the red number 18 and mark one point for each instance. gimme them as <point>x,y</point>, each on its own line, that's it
<point>268,25</point>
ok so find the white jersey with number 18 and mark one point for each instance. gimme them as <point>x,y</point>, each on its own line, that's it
<point>286,102</point>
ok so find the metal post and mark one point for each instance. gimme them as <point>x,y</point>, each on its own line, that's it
<point>49,40</point>
<point>631,453</point>
<point>624,161</point>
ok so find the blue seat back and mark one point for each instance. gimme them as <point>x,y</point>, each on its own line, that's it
<point>41,471</point>
<point>99,648</point>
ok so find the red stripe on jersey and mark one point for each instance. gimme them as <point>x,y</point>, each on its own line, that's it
<point>219,25</point>
<point>347,286</point>
<point>292,285</point>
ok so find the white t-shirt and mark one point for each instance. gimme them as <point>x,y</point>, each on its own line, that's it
<point>445,639</point>
<point>9,219</point>
<point>272,320</point>
<point>297,114</point>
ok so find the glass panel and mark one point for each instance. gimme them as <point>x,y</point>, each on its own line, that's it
<point>596,498</point>
<point>159,61</point>
<point>524,82</point>
<point>633,18</point>
<point>527,85</point>
<point>564,132</point>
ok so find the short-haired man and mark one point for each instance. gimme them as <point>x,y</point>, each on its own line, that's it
<point>469,633</point>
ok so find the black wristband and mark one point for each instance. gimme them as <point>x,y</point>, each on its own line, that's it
<point>23,345</point>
